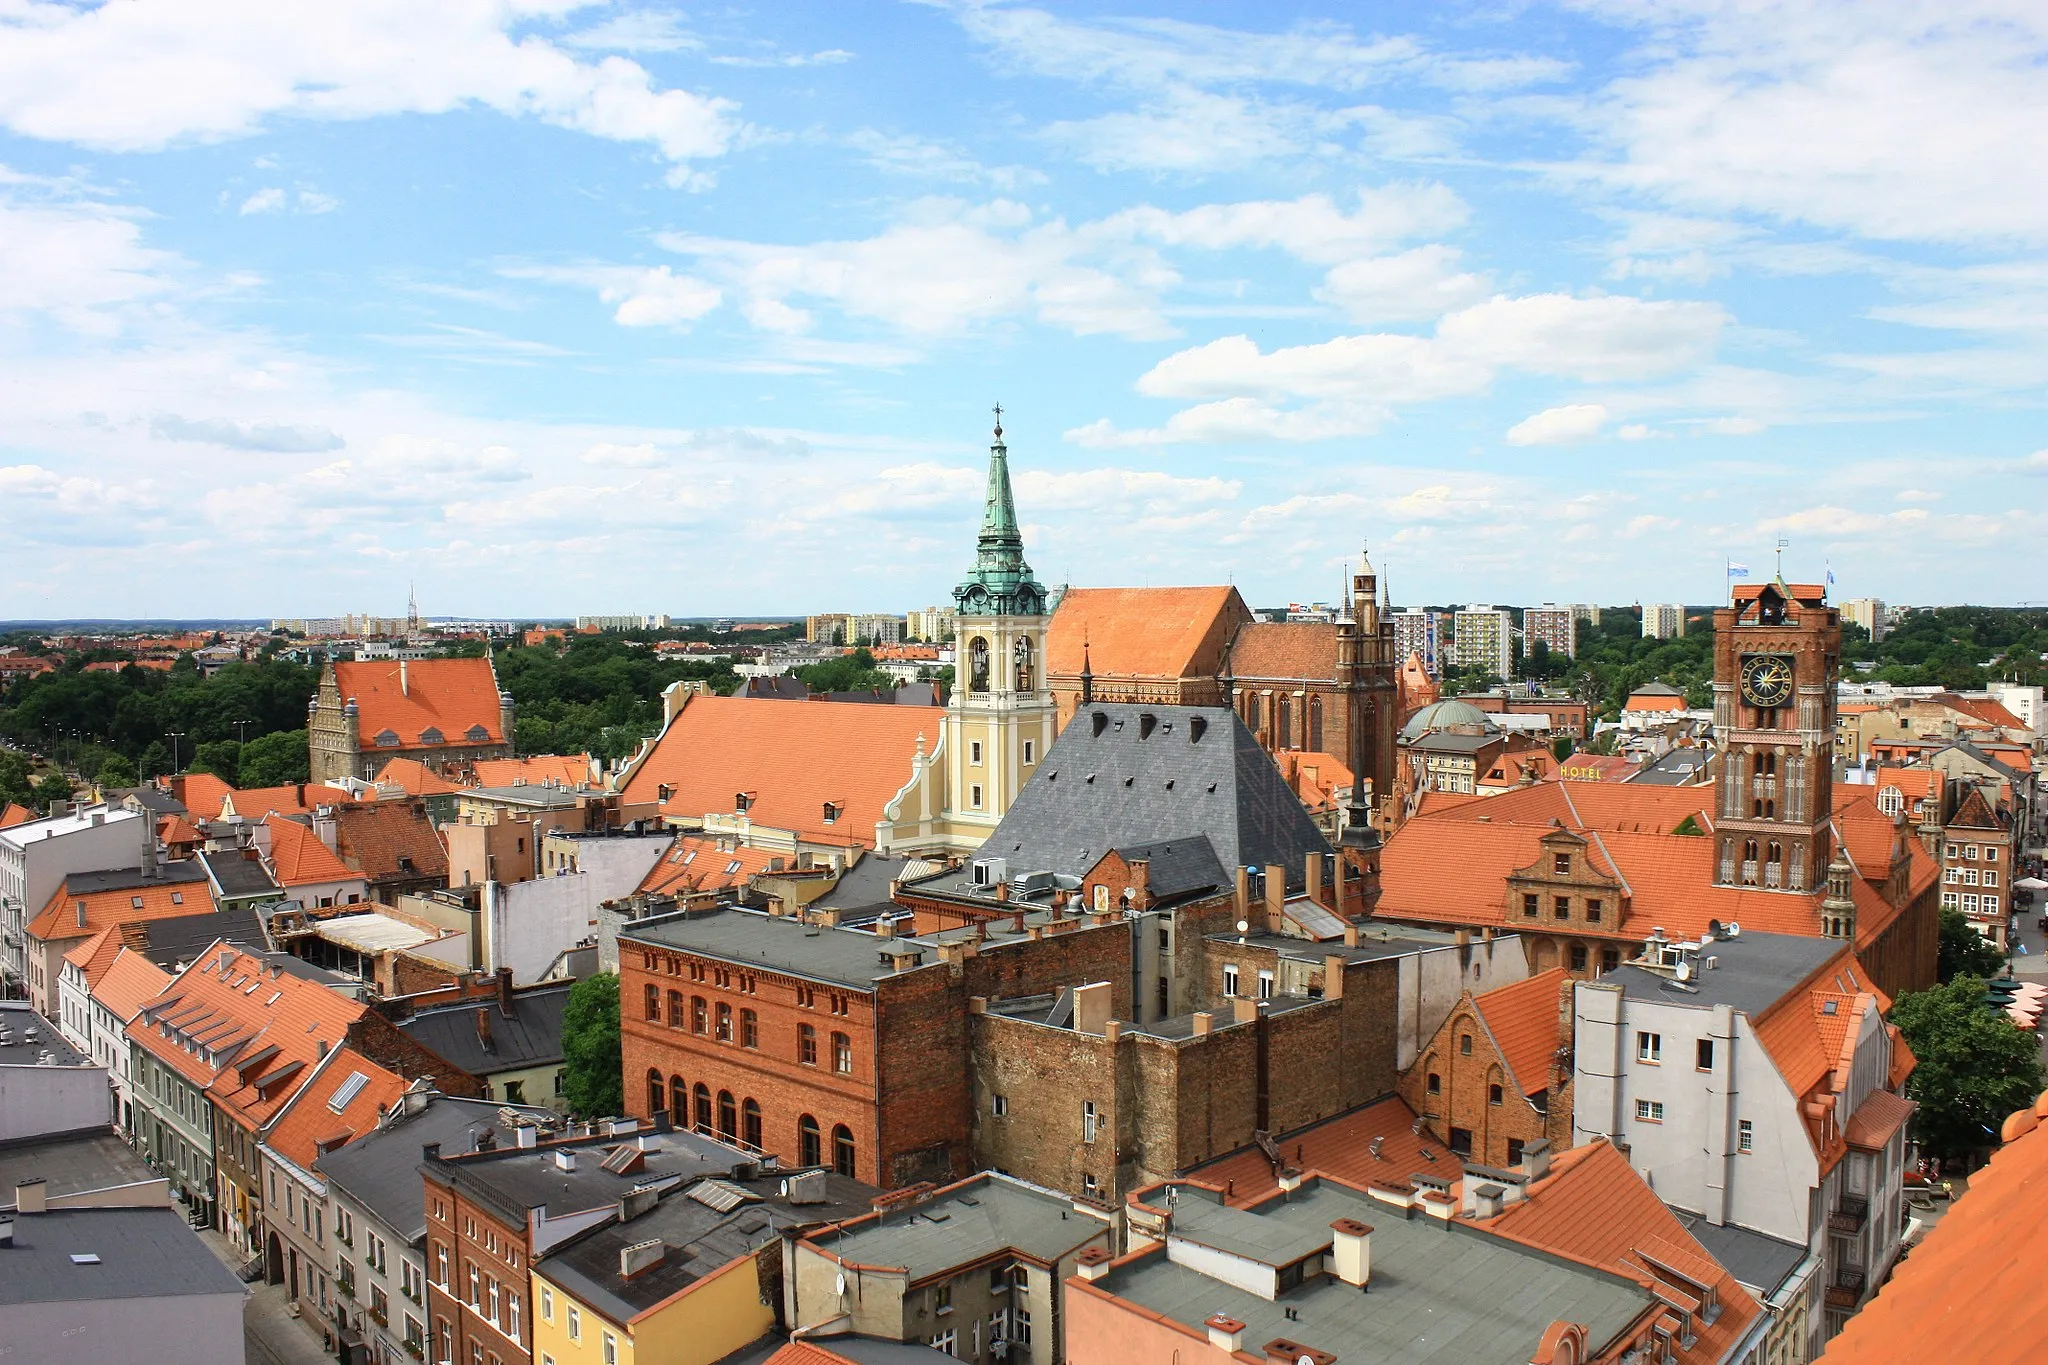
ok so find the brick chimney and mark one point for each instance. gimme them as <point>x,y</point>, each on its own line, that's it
<point>483,1027</point>
<point>505,1000</point>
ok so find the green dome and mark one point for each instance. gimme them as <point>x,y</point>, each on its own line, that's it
<point>1446,715</point>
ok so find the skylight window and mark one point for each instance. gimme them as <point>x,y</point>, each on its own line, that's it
<point>348,1090</point>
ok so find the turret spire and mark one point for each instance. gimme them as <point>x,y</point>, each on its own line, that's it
<point>1001,583</point>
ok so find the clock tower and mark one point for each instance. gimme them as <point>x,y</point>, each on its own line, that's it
<point>1776,653</point>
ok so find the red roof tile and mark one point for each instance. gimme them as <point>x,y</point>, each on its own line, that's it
<point>415,778</point>
<point>1595,1208</point>
<point>450,696</point>
<point>566,770</point>
<point>792,756</point>
<point>59,918</point>
<point>1291,650</point>
<point>1143,632</point>
<point>174,830</point>
<point>297,798</point>
<point>12,815</point>
<point>1529,1021</point>
<point>96,954</point>
<point>1879,1116</point>
<point>1342,1148</point>
<point>698,864</point>
<point>1970,1291</point>
<point>200,793</point>
<point>389,841</point>
<point>130,980</point>
<point>298,858</point>
<point>311,1125</point>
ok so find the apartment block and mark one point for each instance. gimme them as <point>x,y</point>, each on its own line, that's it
<point>1483,637</point>
<point>1663,620</point>
<point>1557,627</point>
<point>1869,613</point>
<point>1419,632</point>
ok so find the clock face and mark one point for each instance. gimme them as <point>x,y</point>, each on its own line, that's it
<point>1767,679</point>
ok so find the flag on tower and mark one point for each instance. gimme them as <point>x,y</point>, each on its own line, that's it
<point>1831,575</point>
<point>1737,570</point>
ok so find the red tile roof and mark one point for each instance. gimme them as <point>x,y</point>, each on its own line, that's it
<point>697,864</point>
<point>1594,1207</point>
<point>1342,1148</point>
<point>389,841</point>
<point>1971,1291</point>
<point>59,917</point>
<point>1876,1119</point>
<point>200,793</point>
<point>130,980</point>
<point>566,770</point>
<point>1810,1035</point>
<point>297,798</point>
<point>1529,1021</point>
<point>1449,864</point>
<point>238,1013</point>
<point>1314,776</point>
<point>415,778</point>
<point>1596,767</point>
<point>1143,632</point>
<point>298,858</point>
<point>446,695</point>
<point>1984,710</point>
<point>793,756</point>
<point>175,830</point>
<point>12,815</point>
<point>310,1125</point>
<point>1292,650</point>
<point>96,954</point>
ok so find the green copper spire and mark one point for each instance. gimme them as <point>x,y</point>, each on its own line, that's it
<point>1001,583</point>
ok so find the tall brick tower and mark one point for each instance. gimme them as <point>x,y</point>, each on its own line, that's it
<point>1776,653</point>
<point>1365,672</point>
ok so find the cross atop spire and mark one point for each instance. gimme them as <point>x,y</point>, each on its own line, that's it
<point>999,421</point>
<point>1001,583</point>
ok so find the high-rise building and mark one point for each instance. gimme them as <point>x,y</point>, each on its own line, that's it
<point>828,628</point>
<point>1557,627</point>
<point>1420,632</point>
<point>657,621</point>
<point>933,625</point>
<point>872,627</point>
<point>1483,637</point>
<point>1589,612</point>
<point>1663,620</point>
<point>1869,613</point>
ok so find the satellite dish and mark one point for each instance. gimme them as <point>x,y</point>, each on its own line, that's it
<point>1685,971</point>
<point>1734,929</point>
<point>1306,1360</point>
<point>839,1283</point>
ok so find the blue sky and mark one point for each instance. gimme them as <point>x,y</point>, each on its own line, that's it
<point>552,307</point>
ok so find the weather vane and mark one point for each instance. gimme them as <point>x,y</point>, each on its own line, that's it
<point>999,421</point>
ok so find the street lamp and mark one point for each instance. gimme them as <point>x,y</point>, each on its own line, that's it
<point>174,736</point>
<point>241,729</point>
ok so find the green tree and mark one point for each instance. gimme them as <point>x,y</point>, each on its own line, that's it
<point>17,781</point>
<point>1962,951</point>
<point>274,760</point>
<point>52,788</point>
<point>855,672</point>
<point>1975,1067</point>
<point>221,757</point>
<point>593,1085</point>
<point>116,771</point>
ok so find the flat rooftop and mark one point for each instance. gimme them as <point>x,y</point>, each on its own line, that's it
<point>70,1163</point>
<point>139,1254</point>
<point>372,933</point>
<point>982,1217</point>
<point>529,1178</point>
<point>1375,941</point>
<point>1752,972</point>
<point>1441,1292</point>
<point>29,1035</point>
<point>845,957</point>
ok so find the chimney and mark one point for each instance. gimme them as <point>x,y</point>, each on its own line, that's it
<point>29,1195</point>
<point>1276,897</point>
<point>1243,1010</point>
<point>565,1159</point>
<point>483,1027</point>
<point>526,1135</point>
<point>402,690</point>
<point>1484,1201</point>
<point>1225,1334</point>
<point>1350,932</point>
<point>640,1256</point>
<point>1536,1159</point>
<point>430,1151</point>
<point>1244,893</point>
<point>1351,1251</point>
<point>1092,1263</point>
<point>414,1101</point>
<point>1333,977</point>
<point>505,1001</point>
<point>885,927</point>
<point>1315,878</point>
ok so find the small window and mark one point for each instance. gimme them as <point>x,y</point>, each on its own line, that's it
<point>1578,957</point>
<point>974,796</point>
<point>1464,1045</point>
<point>999,1105</point>
<point>1610,958</point>
<point>1649,1047</point>
<point>1650,1111</point>
<point>1561,907</point>
<point>1461,1143</point>
<point>974,752</point>
<point>1091,1121</point>
<point>1561,864</point>
<point>942,1298</point>
<point>1030,752</point>
<point>842,1054</point>
<point>831,812</point>
<point>1265,985</point>
<point>1230,979</point>
<point>1745,1136</point>
<point>1704,1054</point>
<point>1493,1094</point>
<point>1514,1151</point>
<point>1531,904</point>
<point>1436,1084</point>
<point>1592,912</point>
<point>807,1044</point>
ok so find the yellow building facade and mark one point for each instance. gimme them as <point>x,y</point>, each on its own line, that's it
<point>698,1324</point>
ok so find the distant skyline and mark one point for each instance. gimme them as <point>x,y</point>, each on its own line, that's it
<point>556,308</point>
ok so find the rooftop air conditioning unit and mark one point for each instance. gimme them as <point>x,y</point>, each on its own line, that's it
<point>990,871</point>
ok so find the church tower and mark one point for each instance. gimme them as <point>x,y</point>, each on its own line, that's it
<point>1776,654</point>
<point>1365,673</point>
<point>1000,718</point>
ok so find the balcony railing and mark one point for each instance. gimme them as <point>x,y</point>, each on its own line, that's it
<point>1846,1289</point>
<point>1851,1212</point>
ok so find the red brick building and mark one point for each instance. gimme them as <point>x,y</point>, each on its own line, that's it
<point>1497,1077</point>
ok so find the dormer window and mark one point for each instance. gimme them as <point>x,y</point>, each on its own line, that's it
<point>387,739</point>
<point>742,801</point>
<point>476,734</point>
<point>832,812</point>
<point>431,735</point>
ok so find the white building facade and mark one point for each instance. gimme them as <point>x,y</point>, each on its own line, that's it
<point>36,857</point>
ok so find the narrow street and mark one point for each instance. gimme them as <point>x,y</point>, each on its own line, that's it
<point>270,1335</point>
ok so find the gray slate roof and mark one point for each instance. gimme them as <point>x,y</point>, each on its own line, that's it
<point>1674,769</point>
<point>70,1163</point>
<point>1179,867</point>
<point>844,957</point>
<point>381,1170</point>
<point>1753,972</point>
<point>1122,774</point>
<point>181,873</point>
<point>515,1181</point>
<point>19,1051</point>
<point>976,1219</point>
<point>529,1036</point>
<point>144,1253</point>
<point>234,876</point>
<point>1757,1260</point>
<point>182,938</point>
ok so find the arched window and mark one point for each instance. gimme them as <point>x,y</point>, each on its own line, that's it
<point>977,665</point>
<point>807,1147</point>
<point>842,1149</point>
<point>1315,724</point>
<point>728,1115</point>
<point>675,1009</point>
<point>697,1014</point>
<point>656,1099</point>
<point>750,1123</point>
<point>679,1102</point>
<point>1891,801</point>
<point>652,998</point>
<point>702,1096</point>
<point>1023,658</point>
<point>1283,722</point>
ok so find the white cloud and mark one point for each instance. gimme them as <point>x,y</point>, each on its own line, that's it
<point>1613,337</point>
<point>652,296</point>
<point>1239,419</point>
<point>638,31</point>
<point>1410,285</point>
<point>1566,425</point>
<point>905,155</point>
<point>277,437</point>
<point>269,200</point>
<point>1313,228</point>
<point>1916,495</point>
<point>610,454</point>
<point>1890,121</point>
<point>75,259</point>
<point>142,77</point>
